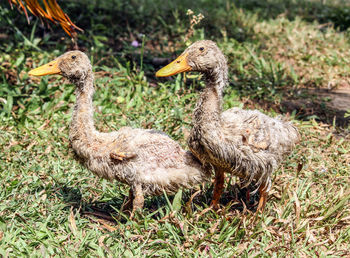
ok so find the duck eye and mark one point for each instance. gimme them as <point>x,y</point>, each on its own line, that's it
<point>73,57</point>
<point>201,48</point>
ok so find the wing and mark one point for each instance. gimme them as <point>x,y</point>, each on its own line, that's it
<point>117,154</point>
<point>119,150</point>
<point>114,145</point>
<point>259,131</point>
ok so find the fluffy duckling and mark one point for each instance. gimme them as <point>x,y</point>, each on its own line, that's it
<point>244,143</point>
<point>147,160</point>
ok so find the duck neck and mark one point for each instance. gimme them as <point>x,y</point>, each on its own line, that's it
<point>82,124</point>
<point>209,106</point>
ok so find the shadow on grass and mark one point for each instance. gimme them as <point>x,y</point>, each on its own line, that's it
<point>306,109</point>
<point>106,210</point>
<point>273,85</point>
<point>329,107</point>
<point>114,22</point>
<point>325,105</point>
<point>111,210</point>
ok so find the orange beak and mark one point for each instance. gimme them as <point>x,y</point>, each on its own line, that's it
<point>179,65</point>
<point>46,69</point>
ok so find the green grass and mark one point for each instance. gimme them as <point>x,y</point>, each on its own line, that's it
<point>52,206</point>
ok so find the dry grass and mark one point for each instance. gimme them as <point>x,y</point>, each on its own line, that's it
<point>315,52</point>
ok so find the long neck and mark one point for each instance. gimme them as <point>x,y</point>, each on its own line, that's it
<point>209,106</point>
<point>82,124</point>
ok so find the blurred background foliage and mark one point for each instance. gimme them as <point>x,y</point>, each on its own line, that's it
<point>113,22</point>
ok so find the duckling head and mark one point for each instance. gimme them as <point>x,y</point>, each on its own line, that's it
<point>202,56</point>
<point>74,65</point>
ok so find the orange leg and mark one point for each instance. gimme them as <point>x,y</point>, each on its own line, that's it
<point>263,198</point>
<point>218,187</point>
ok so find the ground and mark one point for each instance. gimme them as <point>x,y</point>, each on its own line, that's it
<point>288,58</point>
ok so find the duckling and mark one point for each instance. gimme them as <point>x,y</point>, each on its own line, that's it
<point>244,143</point>
<point>149,161</point>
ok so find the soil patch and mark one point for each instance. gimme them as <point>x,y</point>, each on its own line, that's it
<point>327,105</point>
